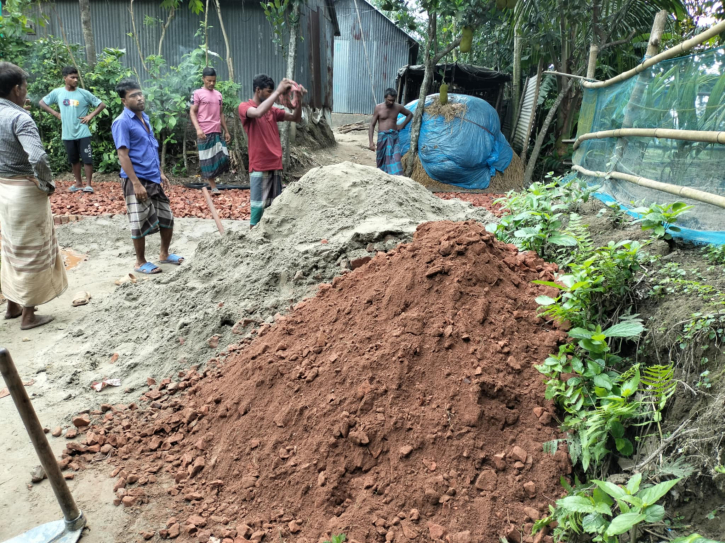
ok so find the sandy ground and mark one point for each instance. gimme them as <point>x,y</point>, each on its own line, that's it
<point>107,256</point>
<point>109,253</point>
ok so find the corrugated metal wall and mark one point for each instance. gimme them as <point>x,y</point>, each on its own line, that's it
<point>249,32</point>
<point>526,110</point>
<point>388,47</point>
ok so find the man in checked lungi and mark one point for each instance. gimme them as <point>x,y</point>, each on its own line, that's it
<point>208,120</point>
<point>149,209</point>
<point>32,271</point>
<point>259,118</point>
<point>388,149</point>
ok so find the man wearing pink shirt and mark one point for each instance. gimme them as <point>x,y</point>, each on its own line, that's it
<point>208,119</point>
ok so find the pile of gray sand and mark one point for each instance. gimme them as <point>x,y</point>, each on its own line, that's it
<point>322,224</point>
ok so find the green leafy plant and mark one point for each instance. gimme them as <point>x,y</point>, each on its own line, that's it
<point>616,214</point>
<point>694,538</point>
<point>661,218</point>
<point>715,254</point>
<point>538,216</point>
<point>597,400</point>
<point>595,286</point>
<point>606,510</point>
<point>659,385</point>
<point>340,538</point>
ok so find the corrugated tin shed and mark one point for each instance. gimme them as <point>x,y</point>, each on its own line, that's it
<point>388,48</point>
<point>250,38</point>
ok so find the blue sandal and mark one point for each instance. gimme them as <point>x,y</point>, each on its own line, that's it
<point>148,268</point>
<point>173,259</point>
<point>73,188</point>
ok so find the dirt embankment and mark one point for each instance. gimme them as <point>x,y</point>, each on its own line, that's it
<point>399,404</point>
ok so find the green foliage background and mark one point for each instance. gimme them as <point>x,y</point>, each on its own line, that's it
<point>168,92</point>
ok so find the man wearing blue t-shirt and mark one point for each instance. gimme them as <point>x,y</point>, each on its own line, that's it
<point>74,104</point>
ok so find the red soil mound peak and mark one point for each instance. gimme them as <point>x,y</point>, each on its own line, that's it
<point>399,404</point>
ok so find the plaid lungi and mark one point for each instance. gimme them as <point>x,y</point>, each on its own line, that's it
<point>264,187</point>
<point>32,271</point>
<point>388,157</point>
<point>213,156</point>
<point>148,216</point>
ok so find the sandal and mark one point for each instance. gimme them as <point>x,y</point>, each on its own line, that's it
<point>173,259</point>
<point>148,268</point>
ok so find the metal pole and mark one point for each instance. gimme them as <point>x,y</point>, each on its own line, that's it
<point>74,518</point>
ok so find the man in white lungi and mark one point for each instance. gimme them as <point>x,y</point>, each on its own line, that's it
<point>31,272</point>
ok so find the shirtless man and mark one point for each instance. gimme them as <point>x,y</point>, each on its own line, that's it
<point>388,148</point>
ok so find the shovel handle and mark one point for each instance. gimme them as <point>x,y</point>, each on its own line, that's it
<point>73,517</point>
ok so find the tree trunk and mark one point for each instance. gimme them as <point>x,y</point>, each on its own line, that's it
<point>172,12</point>
<point>230,63</point>
<point>70,52</point>
<point>183,149</point>
<point>85,6</point>
<point>430,64</point>
<point>518,46</point>
<point>238,134</point>
<point>640,85</point>
<point>163,156</point>
<point>291,64</point>
<point>420,108</point>
<point>596,40</point>
<point>206,33</point>
<point>542,133</point>
<point>135,36</point>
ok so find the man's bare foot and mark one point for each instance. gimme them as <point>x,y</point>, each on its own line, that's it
<point>31,320</point>
<point>13,311</point>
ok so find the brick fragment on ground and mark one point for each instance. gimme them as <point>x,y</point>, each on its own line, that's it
<point>108,200</point>
<point>81,421</point>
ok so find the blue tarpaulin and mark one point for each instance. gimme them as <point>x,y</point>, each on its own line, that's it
<point>465,152</point>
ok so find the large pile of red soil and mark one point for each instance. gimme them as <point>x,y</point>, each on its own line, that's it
<point>399,404</point>
<point>108,199</point>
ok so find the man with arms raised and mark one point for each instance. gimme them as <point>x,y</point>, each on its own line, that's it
<point>388,148</point>
<point>149,209</point>
<point>259,119</point>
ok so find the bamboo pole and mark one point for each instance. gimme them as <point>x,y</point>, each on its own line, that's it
<point>700,136</point>
<point>685,192</point>
<point>562,74</point>
<point>665,55</point>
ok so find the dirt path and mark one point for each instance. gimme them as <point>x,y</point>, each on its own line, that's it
<point>109,257</point>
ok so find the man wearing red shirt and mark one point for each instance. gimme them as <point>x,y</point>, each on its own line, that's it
<point>259,119</point>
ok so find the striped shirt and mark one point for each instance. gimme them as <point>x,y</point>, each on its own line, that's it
<point>21,151</point>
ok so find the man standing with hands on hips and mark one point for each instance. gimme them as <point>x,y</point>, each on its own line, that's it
<point>74,104</point>
<point>149,209</point>
<point>259,119</point>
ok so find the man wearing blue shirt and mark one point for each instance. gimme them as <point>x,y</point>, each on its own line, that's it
<point>74,104</point>
<point>149,209</point>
